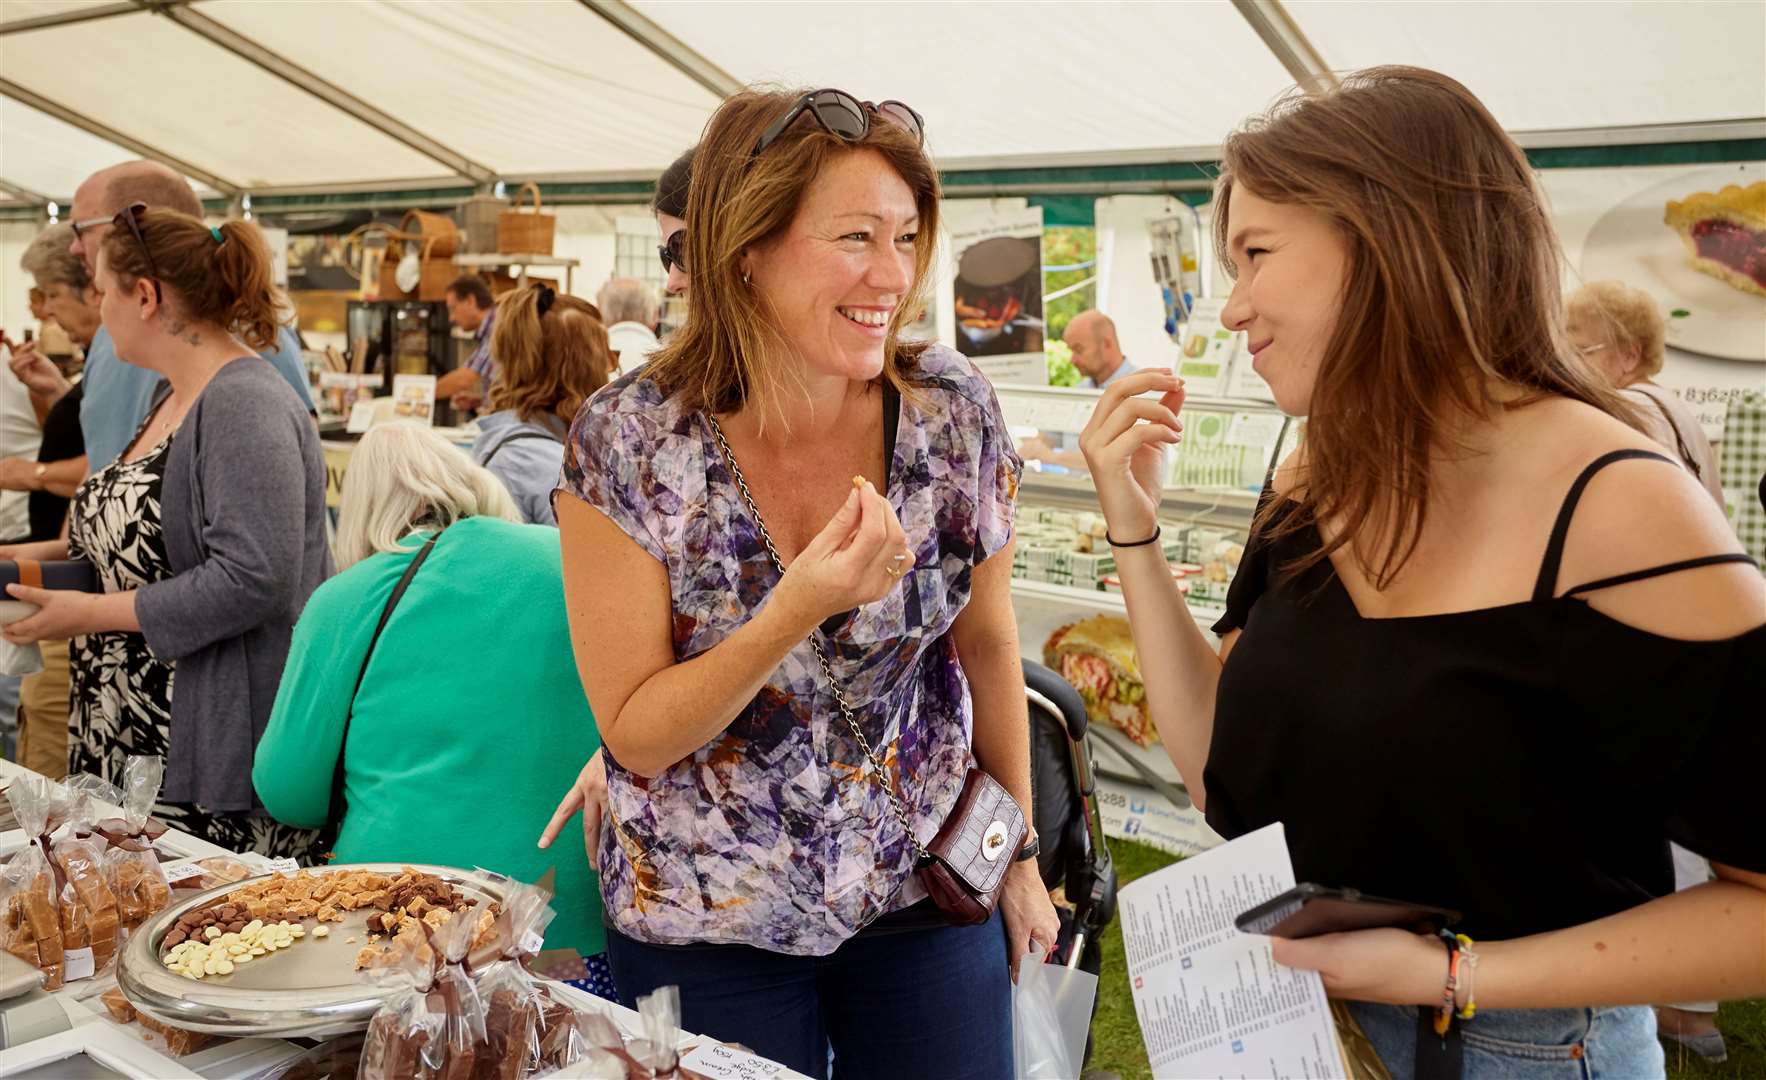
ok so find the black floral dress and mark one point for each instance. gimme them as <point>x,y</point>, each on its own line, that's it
<point>121,700</point>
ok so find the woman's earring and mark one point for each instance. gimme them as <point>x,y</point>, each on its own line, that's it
<point>746,280</point>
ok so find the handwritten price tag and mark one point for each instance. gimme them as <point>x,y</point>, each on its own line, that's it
<point>728,1063</point>
<point>177,872</point>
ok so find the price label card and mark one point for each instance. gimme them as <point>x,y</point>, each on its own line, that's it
<point>532,942</point>
<point>78,964</point>
<point>361,417</point>
<point>728,1063</point>
<point>176,872</point>
<point>283,866</point>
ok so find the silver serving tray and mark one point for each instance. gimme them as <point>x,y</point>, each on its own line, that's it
<point>312,989</point>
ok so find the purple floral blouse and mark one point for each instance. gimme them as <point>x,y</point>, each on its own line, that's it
<point>774,834</point>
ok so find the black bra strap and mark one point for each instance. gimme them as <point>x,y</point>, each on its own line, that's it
<point>1546,587</point>
<point>1658,571</point>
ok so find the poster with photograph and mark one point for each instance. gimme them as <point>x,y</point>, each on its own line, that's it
<point>997,296</point>
<point>1692,240</point>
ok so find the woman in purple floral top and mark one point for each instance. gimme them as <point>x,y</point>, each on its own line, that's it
<point>750,856</point>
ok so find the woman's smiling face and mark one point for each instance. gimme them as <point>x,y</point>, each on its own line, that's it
<point>835,278</point>
<point>1292,263</point>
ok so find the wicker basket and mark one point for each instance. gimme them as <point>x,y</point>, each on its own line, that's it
<point>525,232</point>
<point>441,237</point>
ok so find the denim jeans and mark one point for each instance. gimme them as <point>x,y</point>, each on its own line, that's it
<point>925,1001</point>
<point>1530,1044</point>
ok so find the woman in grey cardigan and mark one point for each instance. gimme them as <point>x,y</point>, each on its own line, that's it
<point>207,534</point>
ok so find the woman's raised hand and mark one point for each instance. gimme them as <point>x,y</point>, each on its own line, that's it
<point>1124,446</point>
<point>857,558</point>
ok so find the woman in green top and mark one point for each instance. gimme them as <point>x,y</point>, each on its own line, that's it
<point>470,715</point>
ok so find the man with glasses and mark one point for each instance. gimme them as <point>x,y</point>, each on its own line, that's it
<point>118,394</point>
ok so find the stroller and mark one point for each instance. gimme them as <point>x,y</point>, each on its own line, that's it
<point>1067,818</point>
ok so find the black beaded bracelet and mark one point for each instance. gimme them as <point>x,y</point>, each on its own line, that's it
<point>1115,543</point>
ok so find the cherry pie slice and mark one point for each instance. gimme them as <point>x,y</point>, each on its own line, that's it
<point>1725,233</point>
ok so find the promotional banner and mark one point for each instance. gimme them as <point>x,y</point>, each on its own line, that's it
<point>998,296</point>
<point>1691,241</point>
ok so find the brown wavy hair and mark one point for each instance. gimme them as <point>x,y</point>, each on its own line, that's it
<point>730,354</point>
<point>229,284</point>
<point>547,363</point>
<point>1451,301</point>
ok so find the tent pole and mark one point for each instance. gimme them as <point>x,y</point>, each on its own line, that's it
<point>330,93</point>
<point>666,46</point>
<point>1277,28</point>
<point>79,15</point>
<point>92,127</point>
<point>26,194</point>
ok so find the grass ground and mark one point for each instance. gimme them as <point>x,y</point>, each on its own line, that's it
<point>1116,1034</point>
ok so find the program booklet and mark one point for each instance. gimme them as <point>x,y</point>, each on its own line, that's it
<point>1211,1001</point>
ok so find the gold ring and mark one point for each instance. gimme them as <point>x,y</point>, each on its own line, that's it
<point>892,572</point>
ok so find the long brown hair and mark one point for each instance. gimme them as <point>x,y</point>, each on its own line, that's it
<point>547,363</point>
<point>730,353</point>
<point>227,282</point>
<point>1452,291</point>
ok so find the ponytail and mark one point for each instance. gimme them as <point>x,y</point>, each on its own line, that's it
<point>244,269</point>
<point>220,275</point>
<point>551,351</point>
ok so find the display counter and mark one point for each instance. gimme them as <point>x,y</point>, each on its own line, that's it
<point>70,1033</point>
<point>1064,571</point>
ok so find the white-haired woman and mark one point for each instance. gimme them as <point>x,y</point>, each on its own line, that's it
<point>435,766</point>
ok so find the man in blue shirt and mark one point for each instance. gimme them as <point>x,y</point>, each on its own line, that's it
<point>118,395</point>
<point>472,309</point>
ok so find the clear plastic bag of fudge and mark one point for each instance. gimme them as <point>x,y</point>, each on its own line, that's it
<point>658,1051</point>
<point>433,1027</point>
<point>30,915</point>
<point>133,870</point>
<point>90,922</point>
<point>512,995</point>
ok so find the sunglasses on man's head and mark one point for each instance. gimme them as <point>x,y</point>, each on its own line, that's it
<point>842,115</point>
<point>131,219</point>
<point>670,251</point>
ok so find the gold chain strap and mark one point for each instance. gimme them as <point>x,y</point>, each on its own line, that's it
<point>878,772</point>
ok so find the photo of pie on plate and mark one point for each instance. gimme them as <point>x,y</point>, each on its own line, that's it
<point>1725,233</point>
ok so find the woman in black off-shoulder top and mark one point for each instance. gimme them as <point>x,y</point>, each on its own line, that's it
<point>1488,649</point>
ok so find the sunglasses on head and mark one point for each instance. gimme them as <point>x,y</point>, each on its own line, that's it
<point>842,115</point>
<point>131,219</point>
<point>670,251</point>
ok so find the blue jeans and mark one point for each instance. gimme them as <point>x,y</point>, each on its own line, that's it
<point>926,1001</point>
<point>1530,1044</point>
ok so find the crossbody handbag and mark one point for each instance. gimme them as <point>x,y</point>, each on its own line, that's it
<point>964,867</point>
<point>339,804</point>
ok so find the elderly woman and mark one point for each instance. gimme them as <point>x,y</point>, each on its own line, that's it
<point>207,532</point>
<point>552,353</point>
<point>433,765</point>
<point>69,299</point>
<point>716,548</point>
<point>1619,331</point>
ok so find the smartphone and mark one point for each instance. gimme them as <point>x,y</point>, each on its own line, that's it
<point>1310,910</point>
